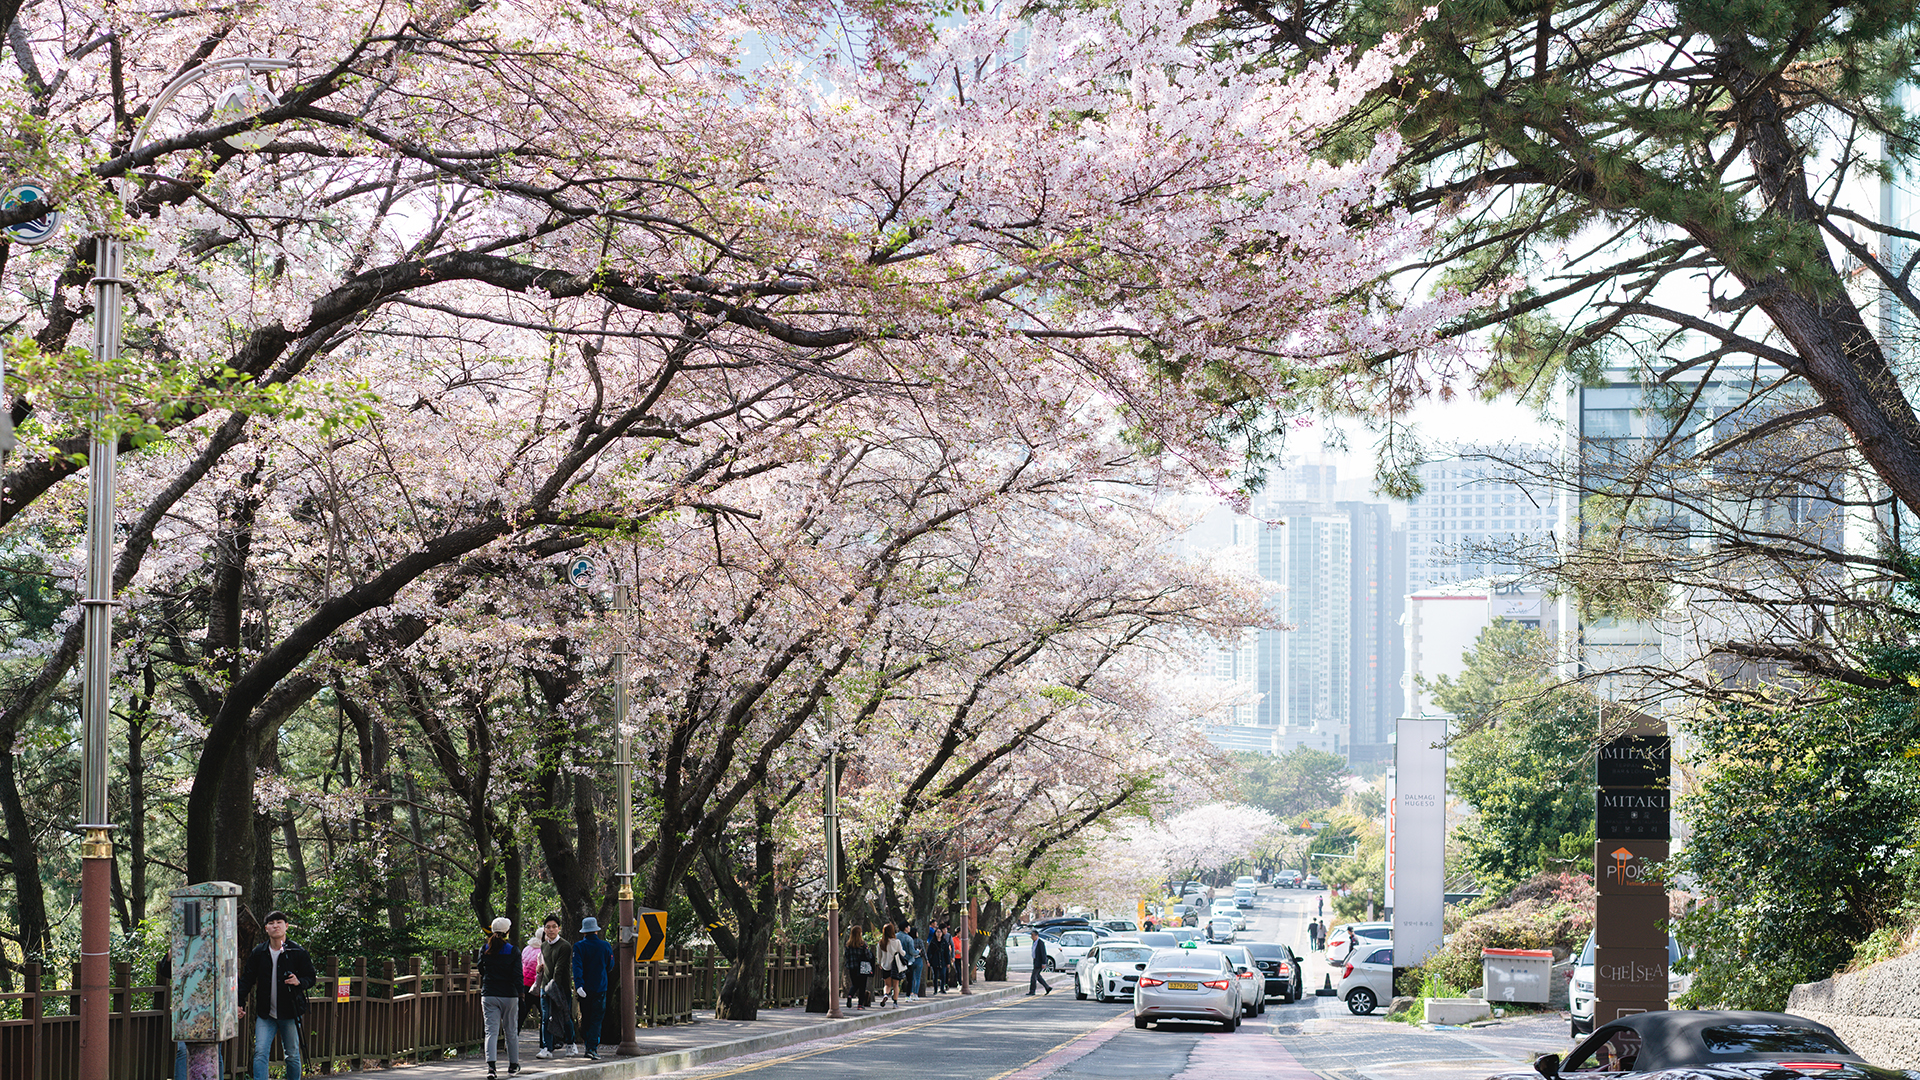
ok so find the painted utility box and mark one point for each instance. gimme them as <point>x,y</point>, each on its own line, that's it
<point>206,962</point>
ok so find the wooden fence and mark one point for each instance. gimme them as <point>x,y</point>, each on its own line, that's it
<point>400,1013</point>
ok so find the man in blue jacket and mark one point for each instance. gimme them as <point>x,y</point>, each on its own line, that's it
<point>911,954</point>
<point>592,963</point>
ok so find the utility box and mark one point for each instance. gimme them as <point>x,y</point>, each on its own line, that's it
<point>1518,974</point>
<point>206,962</point>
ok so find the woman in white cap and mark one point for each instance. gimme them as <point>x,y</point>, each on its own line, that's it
<point>500,993</point>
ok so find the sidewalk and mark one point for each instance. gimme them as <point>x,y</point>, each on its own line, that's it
<point>683,1046</point>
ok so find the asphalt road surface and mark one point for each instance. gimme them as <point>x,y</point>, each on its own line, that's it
<point>1055,1037</point>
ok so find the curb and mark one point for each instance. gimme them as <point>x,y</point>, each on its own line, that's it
<point>619,1068</point>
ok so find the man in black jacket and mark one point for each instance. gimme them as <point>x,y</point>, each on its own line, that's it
<point>1038,981</point>
<point>277,974</point>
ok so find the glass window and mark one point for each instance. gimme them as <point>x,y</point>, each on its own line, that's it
<point>1116,954</point>
<point>1615,1051</point>
<point>1769,1039</point>
<point>1381,956</point>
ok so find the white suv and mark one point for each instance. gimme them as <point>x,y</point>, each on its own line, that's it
<point>1580,1001</point>
<point>1347,937</point>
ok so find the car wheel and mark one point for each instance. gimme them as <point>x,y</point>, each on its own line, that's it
<point>1263,1006</point>
<point>1233,1025</point>
<point>1051,966</point>
<point>1078,994</point>
<point>1360,1001</point>
<point>1140,1022</point>
<point>1576,1029</point>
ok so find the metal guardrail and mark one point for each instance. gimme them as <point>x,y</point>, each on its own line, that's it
<point>399,1012</point>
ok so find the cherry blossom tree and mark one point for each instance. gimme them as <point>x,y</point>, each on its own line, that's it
<point>503,283</point>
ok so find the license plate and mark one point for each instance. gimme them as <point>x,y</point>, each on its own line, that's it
<point>1183,986</point>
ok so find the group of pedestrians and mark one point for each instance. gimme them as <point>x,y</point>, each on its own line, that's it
<point>901,961</point>
<point>553,972</point>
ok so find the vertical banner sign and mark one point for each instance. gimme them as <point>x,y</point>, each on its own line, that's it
<point>1390,838</point>
<point>1420,838</point>
<point>1632,798</point>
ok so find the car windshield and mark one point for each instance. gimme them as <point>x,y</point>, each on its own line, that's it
<point>1236,954</point>
<point>1078,938</point>
<point>1769,1039</point>
<point>1377,933</point>
<point>1111,955</point>
<point>1157,938</point>
<point>1266,950</point>
<point>1184,933</point>
<point>1185,960</point>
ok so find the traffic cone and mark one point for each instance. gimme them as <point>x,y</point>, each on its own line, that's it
<point>1327,990</point>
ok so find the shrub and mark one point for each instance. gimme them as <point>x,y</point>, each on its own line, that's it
<point>1552,910</point>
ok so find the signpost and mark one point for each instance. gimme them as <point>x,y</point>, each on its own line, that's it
<point>1632,803</point>
<point>1419,816</point>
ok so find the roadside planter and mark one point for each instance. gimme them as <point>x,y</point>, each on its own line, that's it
<point>1456,1010</point>
<point>1517,974</point>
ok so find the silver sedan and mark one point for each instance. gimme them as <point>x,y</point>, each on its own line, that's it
<point>1188,984</point>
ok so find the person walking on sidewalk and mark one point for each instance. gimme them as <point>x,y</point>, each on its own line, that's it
<point>912,949</point>
<point>556,992</point>
<point>859,964</point>
<point>1039,965</point>
<point>500,989</point>
<point>893,963</point>
<point>937,957</point>
<point>592,964</point>
<point>277,973</point>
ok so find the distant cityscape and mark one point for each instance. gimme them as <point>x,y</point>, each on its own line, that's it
<point>1379,594</point>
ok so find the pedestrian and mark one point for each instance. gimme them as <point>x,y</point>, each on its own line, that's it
<point>959,957</point>
<point>500,990</point>
<point>277,973</point>
<point>859,963</point>
<point>893,964</point>
<point>912,948</point>
<point>592,964</point>
<point>1039,965</point>
<point>939,957</point>
<point>556,992</point>
<point>1313,935</point>
<point>530,976</point>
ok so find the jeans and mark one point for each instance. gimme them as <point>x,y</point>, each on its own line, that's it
<point>560,1013</point>
<point>593,1009</point>
<point>914,974</point>
<point>503,1017</point>
<point>264,1030</point>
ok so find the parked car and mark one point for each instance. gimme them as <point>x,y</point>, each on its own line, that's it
<point>1341,940</point>
<point>1689,1045</point>
<point>1219,930</point>
<point>1366,981</point>
<point>1065,949</point>
<point>1019,950</point>
<point>1312,883</point>
<point>1580,998</point>
<point>1288,879</point>
<point>1187,984</point>
<point>1253,985</point>
<point>1281,965</point>
<point>1110,970</point>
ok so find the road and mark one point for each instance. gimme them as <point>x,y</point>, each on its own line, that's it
<point>1055,1037</point>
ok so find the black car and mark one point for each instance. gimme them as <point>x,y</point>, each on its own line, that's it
<point>1685,1045</point>
<point>1281,965</point>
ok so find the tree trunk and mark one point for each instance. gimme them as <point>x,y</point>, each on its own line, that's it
<point>817,989</point>
<point>139,715</point>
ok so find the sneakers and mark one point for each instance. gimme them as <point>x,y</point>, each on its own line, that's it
<point>490,1071</point>
<point>544,1054</point>
<point>512,1068</point>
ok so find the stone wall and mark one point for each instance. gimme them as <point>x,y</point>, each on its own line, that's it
<point>1876,1010</point>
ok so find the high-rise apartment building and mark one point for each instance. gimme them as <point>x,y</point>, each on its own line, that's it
<point>1331,681</point>
<point>1471,515</point>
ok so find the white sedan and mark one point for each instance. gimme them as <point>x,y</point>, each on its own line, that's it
<point>1110,970</point>
<point>1065,949</point>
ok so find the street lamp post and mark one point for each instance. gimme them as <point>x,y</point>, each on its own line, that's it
<point>966,926</point>
<point>833,883</point>
<point>629,999</point>
<point>96,849</point>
